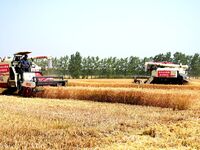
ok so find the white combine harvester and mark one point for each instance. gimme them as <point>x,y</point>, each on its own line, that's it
<point>26,83</point>
<point>164,73</point>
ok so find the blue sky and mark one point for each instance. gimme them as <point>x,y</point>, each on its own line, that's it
<point>99,27</point>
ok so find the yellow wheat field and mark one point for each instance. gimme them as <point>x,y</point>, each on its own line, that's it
<point>124,91</point>
<point>35,123</point>
<point>176,99</point>
<point>128,83</point>
<point>58,119</point>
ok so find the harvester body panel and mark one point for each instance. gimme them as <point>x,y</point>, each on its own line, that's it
<point>29,84</point>
<point>4,74</point>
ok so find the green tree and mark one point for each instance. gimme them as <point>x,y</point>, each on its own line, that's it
<point>114,67</point>
<point>62,65</point>
<point>141,68</point>
<point>133,65</point>
<point>97,68</point>
<point>180,58</point>
<point>84,71</point>
<point>163,57</point>
<point>124,66</point>
<point>195,65</point>
<point>75,65</point>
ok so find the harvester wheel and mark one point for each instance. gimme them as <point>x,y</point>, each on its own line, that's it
<point>59,84</point>
<point>180,80</point>
<point>138,81</point>
<point>27,92</point>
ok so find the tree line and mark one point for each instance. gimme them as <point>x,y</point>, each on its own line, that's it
<point>76,66</point>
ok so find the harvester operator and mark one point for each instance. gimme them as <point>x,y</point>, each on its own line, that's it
<point>25,64</point>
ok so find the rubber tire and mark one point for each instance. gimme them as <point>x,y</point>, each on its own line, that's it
<point>27,92</point>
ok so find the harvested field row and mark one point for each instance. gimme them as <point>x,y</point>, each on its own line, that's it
<point>131,85</point>
<point>34,123</point>
<point>103,80</point>
<point>149,97</point>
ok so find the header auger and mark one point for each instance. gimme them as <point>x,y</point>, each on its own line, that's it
<point>25,77</point>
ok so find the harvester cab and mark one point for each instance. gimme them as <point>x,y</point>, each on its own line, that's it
<point>165,73</point>
<point>24,76</point>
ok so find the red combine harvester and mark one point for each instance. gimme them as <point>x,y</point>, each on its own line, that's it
<point>15,79</point>
<point>164,73</point>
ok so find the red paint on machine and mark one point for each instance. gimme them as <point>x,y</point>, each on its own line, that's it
<point>164,73</point>
<point>3,85</point>
<point>4,68</point>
